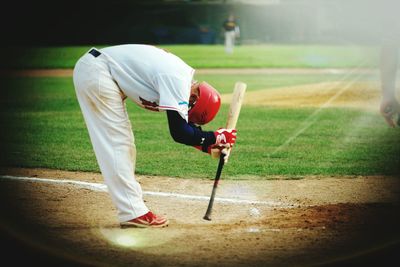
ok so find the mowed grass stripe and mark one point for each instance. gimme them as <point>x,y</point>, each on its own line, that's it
<point>45,128</point>
<point>213,56</point>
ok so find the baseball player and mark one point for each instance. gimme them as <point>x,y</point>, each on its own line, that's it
<point>157,81</point>
<point>390,106</point>
<point>232,32</point>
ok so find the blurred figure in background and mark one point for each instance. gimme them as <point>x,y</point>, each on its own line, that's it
<point>232,31</point>
<point>390,107</point>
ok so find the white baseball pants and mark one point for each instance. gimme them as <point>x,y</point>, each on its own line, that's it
<point>103,107</point>
<point>229,41</point>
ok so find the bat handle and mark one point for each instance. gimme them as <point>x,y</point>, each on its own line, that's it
<point>215,153</point>
<point>207,216</point>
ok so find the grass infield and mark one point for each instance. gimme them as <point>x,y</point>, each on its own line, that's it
<point>45,128</point>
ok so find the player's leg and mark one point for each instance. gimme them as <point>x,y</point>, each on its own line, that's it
<point>110,131</point>
<point>229,42</point>
<point>226,42</point>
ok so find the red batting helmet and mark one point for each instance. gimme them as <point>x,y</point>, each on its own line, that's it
<point>206,106</point>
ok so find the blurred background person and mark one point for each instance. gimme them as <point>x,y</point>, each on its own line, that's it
<point>232,31</point>
<point>389,57</point>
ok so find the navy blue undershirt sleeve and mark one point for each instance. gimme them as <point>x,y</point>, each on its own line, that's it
<point>187,133</point>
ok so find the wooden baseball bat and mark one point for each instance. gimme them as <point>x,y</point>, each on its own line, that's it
<point>234,111</point>
<point>233,115</point>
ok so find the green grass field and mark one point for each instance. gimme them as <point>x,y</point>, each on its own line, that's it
<point>213,56</point>
<point>43,127</point>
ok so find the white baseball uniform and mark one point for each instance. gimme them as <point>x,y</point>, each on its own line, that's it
<point>103,79</point>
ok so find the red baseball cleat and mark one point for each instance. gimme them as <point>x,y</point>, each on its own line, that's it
<point>147,220</point>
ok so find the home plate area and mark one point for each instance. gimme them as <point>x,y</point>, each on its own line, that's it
<point>278,222</point>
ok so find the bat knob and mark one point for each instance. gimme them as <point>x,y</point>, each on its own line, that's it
<point>207,218</point>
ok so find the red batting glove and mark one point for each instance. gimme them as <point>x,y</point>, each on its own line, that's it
<point>225,138</point>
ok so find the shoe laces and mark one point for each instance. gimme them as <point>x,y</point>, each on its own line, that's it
<point>148,216</point>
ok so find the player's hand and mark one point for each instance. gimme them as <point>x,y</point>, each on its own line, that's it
<point>225,138</point>
<point>390,110</point>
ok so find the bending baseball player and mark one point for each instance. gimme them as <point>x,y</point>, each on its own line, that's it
<point>157,81</point>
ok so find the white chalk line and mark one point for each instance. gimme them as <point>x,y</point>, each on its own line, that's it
<point>99,187</point>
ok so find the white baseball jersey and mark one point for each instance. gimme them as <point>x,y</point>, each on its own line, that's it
<point>151,77</point>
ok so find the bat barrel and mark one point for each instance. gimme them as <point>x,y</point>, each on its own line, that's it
<point>234,110</point>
